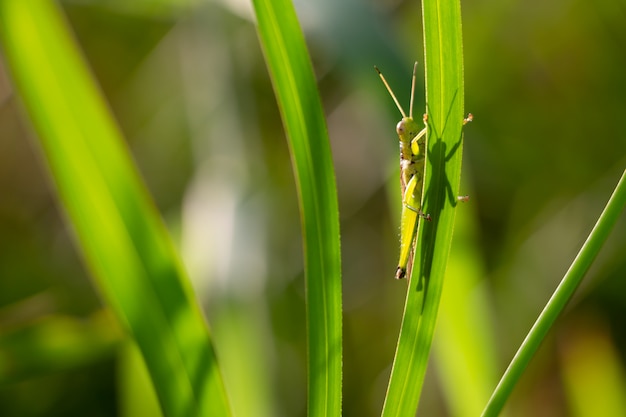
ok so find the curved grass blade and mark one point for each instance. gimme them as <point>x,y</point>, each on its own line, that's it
<point>122,238</point>
<point>444,106</point>
<point>559,299</point>
<point>301,110</point>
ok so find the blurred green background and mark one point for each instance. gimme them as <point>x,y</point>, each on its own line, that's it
<point>546,82</point>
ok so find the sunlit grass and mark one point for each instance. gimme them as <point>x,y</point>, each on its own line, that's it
<point>296,91</point>
<point>138,271</point>
<point>120,234</point>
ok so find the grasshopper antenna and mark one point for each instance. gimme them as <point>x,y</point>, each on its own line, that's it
<point>380,74</point>
<point>412,90</point>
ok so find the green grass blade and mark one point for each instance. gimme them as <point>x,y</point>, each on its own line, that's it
<point>559,299</point>
<point>301,110</point>
<point>444,98</point>
<point>118,229</point>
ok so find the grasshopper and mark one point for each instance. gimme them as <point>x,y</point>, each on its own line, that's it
<point>413,149</point>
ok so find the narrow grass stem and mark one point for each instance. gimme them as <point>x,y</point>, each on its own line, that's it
<point>559,299</point>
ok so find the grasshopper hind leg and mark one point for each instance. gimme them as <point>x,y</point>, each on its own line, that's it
<point>400,273</point>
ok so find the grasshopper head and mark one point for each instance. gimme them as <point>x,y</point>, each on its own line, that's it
<point>407,128</point>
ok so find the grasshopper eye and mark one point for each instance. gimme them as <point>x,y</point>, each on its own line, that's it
<point>400,128</point>
<point>404,129</point>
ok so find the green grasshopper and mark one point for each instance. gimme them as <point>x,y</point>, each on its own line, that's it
<point>412,165</point>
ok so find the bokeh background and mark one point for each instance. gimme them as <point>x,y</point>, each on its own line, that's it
<point>546,82</point>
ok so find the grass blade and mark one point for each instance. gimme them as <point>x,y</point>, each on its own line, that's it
<point>559,299</point>
<point>303,118</point>
<point>444,98</point>
<point>117,227</point>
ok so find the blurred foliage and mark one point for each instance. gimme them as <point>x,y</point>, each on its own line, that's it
<point>188,84</point>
